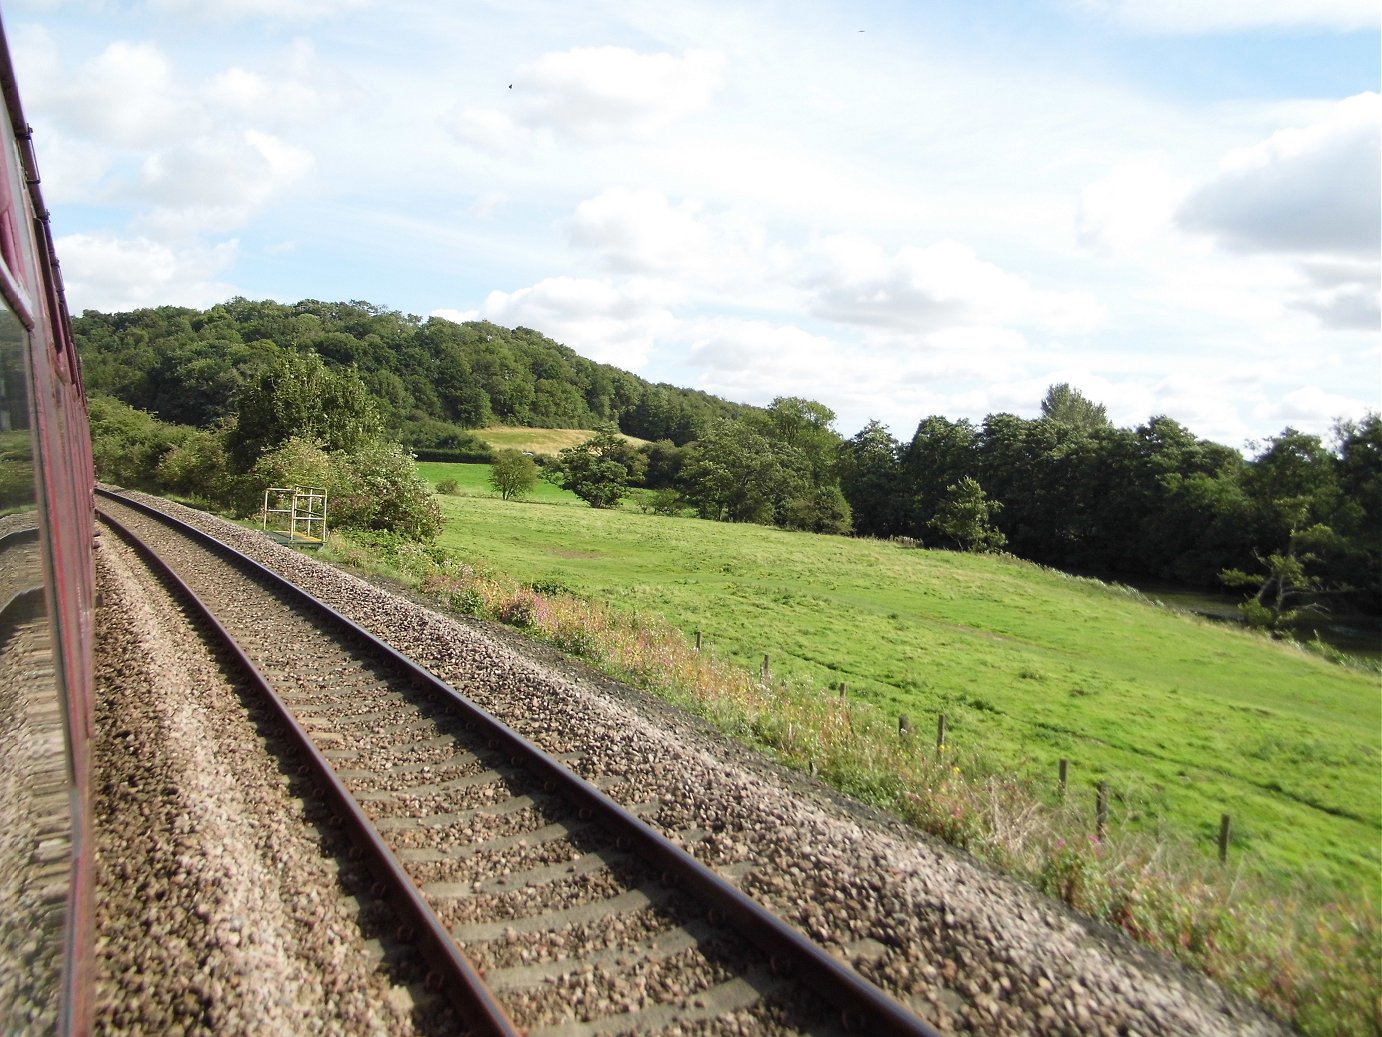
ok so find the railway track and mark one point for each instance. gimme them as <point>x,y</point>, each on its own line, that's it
<point>540,904</point>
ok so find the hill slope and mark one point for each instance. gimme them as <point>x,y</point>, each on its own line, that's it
<point>1186,720</point>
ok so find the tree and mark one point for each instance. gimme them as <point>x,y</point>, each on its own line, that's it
<point>734,474</point>
<point>1286,591</point>
<point>298,395</point>
<point>1070,407</point>
<point>871,478</point>
<point>804,426</point>
<point>940,453</point>
<point>513,474</point>
<point>965,517</point>
<point>593,470</point>
<point>820,509</point>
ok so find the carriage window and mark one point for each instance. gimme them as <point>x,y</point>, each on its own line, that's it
<point>35,780</point>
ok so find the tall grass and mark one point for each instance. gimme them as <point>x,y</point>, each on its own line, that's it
<point>1311,961</point>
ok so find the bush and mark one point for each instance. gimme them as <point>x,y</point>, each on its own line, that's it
<point>666,502</point>
<point>448,487</point>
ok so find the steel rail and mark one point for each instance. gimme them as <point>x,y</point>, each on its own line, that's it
<point>863,1006</point>
<point>452,972</point>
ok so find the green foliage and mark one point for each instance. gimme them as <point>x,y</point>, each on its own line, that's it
<point>666,501</point>
<point>198,467</point>
<point>598,470</point>
<point>1069,406</point>
<point>299,396</point>
<point>380,489</point>
<point>871,478</point>
<point>1285,590</point>
<point>128,444</point>
<point>821,509</point>
<point>734,474</point>
<point>426,379</point>
<point>965,517</point>
<point>449,487</point>
<point>512,474</point>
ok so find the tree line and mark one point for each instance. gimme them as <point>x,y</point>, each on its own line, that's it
<point>430,379</point>
<point>1069,489</point>
<point>1299,522</point>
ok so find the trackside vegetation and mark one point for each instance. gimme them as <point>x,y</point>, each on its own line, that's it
<point>1183,719</point>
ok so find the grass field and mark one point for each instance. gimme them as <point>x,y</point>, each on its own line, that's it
<point>538,440</point>
<point>1184,719</point>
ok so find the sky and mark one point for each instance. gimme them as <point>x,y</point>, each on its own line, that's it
<point>898,209</point>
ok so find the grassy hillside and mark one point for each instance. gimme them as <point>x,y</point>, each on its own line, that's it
<point>1184,719</point>
<point>537,440</point>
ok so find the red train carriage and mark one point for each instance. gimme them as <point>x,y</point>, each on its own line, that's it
<point>46,601</point>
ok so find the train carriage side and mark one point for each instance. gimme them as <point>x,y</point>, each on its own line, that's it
<point>47,591</point>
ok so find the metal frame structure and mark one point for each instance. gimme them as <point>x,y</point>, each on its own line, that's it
<point>306,514</point>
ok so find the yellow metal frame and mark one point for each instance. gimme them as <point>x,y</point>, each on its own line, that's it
<point>302,511</point>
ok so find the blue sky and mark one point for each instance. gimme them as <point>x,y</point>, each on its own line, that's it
<point>898,209</point>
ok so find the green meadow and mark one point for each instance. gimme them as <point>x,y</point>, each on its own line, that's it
<point>1184,719</point>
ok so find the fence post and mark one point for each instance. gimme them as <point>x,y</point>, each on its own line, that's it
<point>765,668</point>
<point>1101,811</point>
<point>1225,831</point>
<point>698,640</point>
<point>1064,775</point>
<point>940,732</point>
<point>904,726</point>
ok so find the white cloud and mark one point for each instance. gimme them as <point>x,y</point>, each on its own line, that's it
<point>126,97</point>
<point>104,272</point>
<point>592,94</point>
<point>602,90</point>
<point>750,354</point>
<point>1130,207</point>
<point>639,231</point>
<point>218,183</point>
<point>1187,17</point>
<point>1341,294</point>
<point>609,323</point>
<point>1305,190</point>
<point>855,281</point>
<point>489,130</point>
<point>1312,409</point>
<point>1312,194</point>
<point>291,100</point>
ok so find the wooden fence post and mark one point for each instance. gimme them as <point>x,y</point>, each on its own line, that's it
<point>940,732</point>
<point>698,640</point>
<point>1064,776</point>
<point>1101,811</point>
<point>1225,832</point>
<point>765,668</point>
<point>904,726</point>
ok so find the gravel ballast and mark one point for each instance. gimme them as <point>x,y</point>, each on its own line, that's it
<point>969,950</point>
<point>220,909</point>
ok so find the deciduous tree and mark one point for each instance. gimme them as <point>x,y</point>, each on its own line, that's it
<point>965,517</point>
<point>512,474</point>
